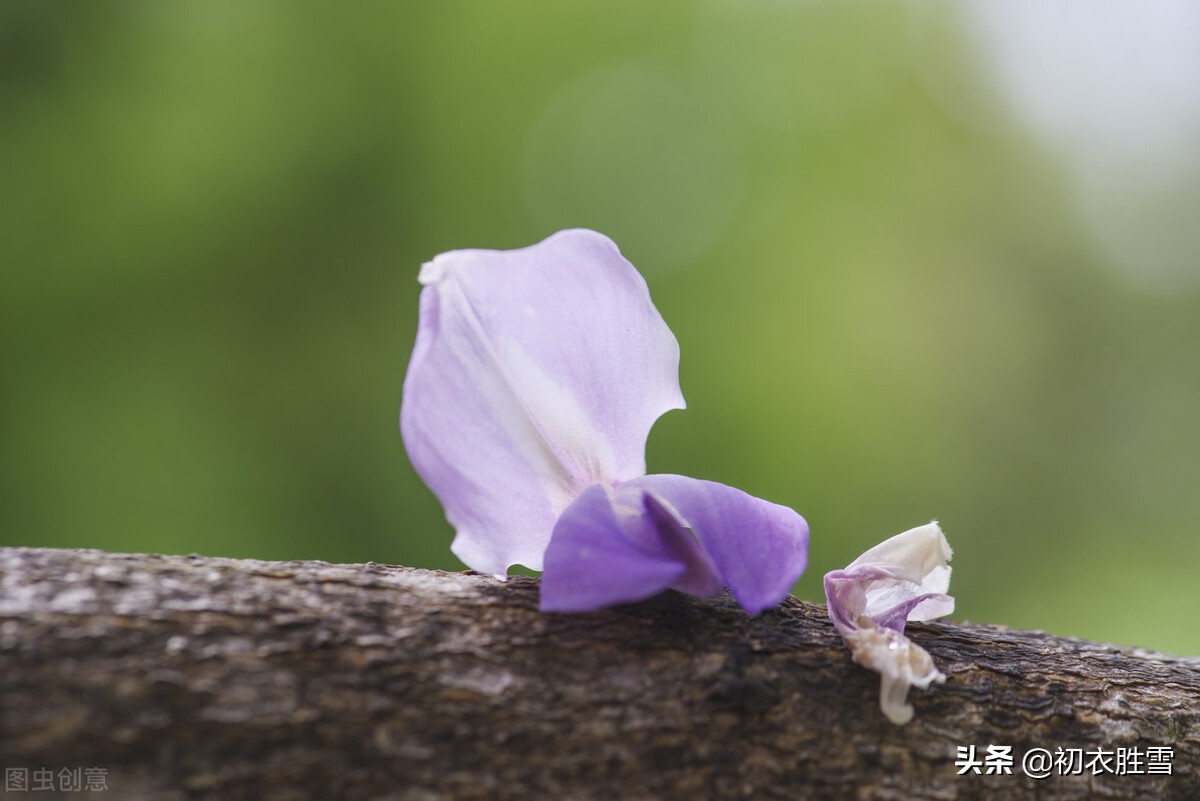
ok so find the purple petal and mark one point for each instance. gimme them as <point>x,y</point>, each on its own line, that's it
<point>758,548</point>
<point>848,591</point>
<point>933,605</point>
<point>592,562</point>
<point>536,373</point>
<point>648,522</point>
<point>846,597</point>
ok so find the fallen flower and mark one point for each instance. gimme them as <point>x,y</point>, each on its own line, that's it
<point>903,578</point>
<point>534,382</point>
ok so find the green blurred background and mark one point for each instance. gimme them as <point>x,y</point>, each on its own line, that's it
<point>897,298</point>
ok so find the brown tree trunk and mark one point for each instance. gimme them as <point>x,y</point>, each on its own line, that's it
<point>197,678</point>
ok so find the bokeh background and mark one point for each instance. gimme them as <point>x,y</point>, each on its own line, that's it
<point>923,260</point>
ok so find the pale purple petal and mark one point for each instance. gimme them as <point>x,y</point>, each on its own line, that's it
<point>847,592</point>
<point>592,562</point>
<point>846,597</point>
<point>870,601</point>
<point>536,373</point>
<point>903,578</point>
<point>759,549</point>
<point>928,606</point>
<point>916,564</point>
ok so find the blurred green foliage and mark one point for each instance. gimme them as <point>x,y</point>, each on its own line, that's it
<point>212,215</point>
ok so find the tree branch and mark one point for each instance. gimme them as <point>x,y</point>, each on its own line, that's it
<point>196,678</point>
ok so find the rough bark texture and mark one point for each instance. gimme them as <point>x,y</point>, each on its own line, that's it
<point>197,678</point>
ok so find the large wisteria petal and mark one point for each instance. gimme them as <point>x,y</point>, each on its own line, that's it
<point>536,374</point>
<point>903,578</point>
<point>534,382</point>
<point>758,548</point>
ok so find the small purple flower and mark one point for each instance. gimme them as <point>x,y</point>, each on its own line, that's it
<point>535,379</point>
<point>902,578</point>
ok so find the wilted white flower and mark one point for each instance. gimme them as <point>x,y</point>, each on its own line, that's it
<point>903,578</point>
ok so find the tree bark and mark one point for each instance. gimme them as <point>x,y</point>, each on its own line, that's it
<point>198,678</point>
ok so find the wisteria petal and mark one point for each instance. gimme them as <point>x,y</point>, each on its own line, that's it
<point>906,566</point>
<point>592,562</point>
<point>846,596</point>
<point>903,578</point>
<point>536,373</point>
<point>655,527</point>
<point>915,561</point>
<point>758,548</point>
<point>848,592</point>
